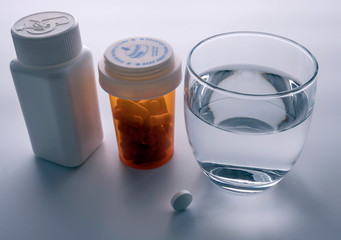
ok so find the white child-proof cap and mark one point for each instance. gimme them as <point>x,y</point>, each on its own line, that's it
<point>139,68</point>
<point>46,38</point>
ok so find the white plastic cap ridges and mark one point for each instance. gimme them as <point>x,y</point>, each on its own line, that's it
<point>139,68</point>
<point>46,38</point>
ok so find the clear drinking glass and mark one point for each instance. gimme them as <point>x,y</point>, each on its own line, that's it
<point>249,99</point>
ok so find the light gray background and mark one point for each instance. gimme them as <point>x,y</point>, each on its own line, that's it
<point>103,199</point>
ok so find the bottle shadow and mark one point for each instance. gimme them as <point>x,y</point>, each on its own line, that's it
<point>53,175</point>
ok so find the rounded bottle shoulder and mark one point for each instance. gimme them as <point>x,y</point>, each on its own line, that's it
<point>85,57</point>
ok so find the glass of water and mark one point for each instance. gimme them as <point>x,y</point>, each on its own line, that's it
<point>249,99</point>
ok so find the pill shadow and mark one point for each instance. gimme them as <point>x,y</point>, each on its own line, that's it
<point>181,224</point>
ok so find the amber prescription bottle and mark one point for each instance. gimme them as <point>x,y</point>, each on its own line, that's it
<point>141,75</point>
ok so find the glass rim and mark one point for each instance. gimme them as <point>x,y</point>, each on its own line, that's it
<point>255,95</point>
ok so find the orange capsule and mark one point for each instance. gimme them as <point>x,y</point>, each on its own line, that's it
<point>131,120</point>
<point>155,106</point>
<point>150,139</point>
<point>128,155</point>
<point>138,134</point>
<point>116,112</point>
<point>164,143</point>
<point>123,128</point>
<point>129,151</point>
<point>162,120</point>
<point>132,108</point>
<point>162,138</point>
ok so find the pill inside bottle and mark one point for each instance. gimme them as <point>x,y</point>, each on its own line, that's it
<point>140,75</point>
<point>144,130</point>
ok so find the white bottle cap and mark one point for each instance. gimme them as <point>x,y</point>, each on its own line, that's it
<point>139,68</point>
<point>46,38</point>
<point>181,200</point>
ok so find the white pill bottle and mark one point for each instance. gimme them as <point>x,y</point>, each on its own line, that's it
<point>55,83</point>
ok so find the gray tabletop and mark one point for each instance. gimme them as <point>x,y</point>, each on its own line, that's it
<point>104,199</point>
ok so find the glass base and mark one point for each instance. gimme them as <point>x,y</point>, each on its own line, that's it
<point>242,179</point>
